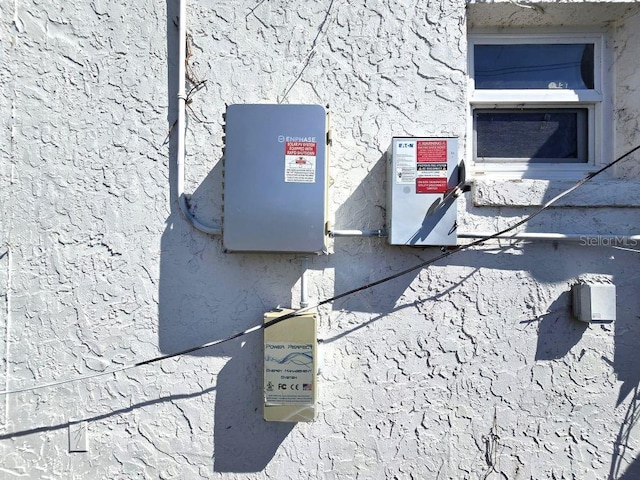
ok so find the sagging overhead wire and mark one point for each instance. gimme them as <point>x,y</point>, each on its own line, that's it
<point>347,293</point>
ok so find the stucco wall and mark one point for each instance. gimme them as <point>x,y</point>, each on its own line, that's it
<point>472,368</point>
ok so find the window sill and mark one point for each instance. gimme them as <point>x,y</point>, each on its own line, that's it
<point>532,193</point>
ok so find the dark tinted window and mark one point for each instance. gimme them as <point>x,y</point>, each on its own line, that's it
<point>535,135</point>
<point>539,66</point>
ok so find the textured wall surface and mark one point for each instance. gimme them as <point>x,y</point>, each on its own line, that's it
<point>472,368</point>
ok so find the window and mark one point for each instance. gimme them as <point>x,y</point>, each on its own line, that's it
<point>536,103</point>
<point>535,135</point>
<point>534,66</point>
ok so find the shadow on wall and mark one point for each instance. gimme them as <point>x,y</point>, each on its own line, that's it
<point>621,446</point>
<point>558,331</point>
<point>205,295</point>
<point>375,257</point>
<point>97,418</point>
<point>625,364</point>
<point>627,330</point>
<point>415,304</point>
<point>627,326</point>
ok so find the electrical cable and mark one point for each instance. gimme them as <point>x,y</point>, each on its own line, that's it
<point>347,293</point>
<point>634,250</point>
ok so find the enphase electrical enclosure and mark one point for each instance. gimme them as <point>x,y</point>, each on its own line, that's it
<point>420,172</point>
<point>275,179</point>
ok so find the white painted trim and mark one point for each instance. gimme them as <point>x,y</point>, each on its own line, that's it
<point>498,97</point>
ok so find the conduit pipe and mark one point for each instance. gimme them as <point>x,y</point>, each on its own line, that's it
<point>304,295</point>
<point>182,124</point>
<point>587,239</point>
<point>358,233</point>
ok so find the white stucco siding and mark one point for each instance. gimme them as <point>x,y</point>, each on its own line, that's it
<point>473,367</point>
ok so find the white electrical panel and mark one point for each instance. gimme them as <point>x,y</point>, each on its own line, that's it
<point>275,179</point>
<point>420,172</point>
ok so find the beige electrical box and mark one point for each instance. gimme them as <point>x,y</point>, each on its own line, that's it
<point>290,366</point>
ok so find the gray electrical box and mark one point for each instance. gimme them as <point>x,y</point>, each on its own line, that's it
<point>420,171</point>
<point>594,301</point>
<point>275,179</point>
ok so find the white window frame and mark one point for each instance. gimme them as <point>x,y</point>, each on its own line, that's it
<point>596,101</point>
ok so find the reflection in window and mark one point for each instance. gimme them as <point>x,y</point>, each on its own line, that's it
<point>534,66</point>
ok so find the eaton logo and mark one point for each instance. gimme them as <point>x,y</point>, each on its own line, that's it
<point>405,145</point>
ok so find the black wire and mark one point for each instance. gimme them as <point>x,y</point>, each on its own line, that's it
<point>524,69</point>
<point>367,286</point>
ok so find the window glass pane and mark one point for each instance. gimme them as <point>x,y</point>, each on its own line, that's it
<point>540,66</point>
<point>533,135</point>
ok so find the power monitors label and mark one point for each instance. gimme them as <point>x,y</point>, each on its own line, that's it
<point>300,162</point>
<point>288,373</point>
<point>431,158</point>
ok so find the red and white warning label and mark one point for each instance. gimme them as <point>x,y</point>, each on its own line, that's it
<point>432,151</point>
<point>423,163</point>
<point>431,185</point>
<point>431,165</point>
<point>300,162</point>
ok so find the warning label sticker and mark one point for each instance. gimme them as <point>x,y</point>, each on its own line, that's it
<point>422,163</point>
<point>432,151</point>
<point>300,162</point>
<point>288,373</point>
<point>431,185</point>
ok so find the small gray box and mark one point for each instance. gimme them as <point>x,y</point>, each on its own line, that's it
<point>275,179</point>
<point>594,302</point>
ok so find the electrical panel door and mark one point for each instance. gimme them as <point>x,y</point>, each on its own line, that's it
<point>420,172</point>
<point>275,179</point>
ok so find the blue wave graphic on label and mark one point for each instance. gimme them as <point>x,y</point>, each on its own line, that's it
<point>294,358</point>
